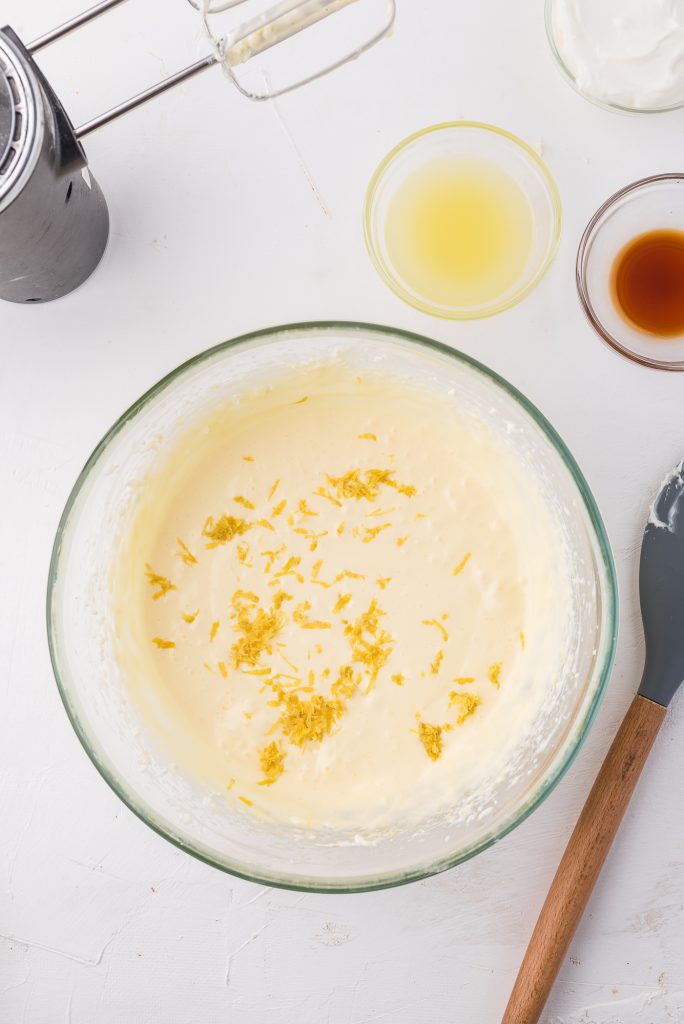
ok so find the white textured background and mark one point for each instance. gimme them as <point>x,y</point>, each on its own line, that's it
<point>216,231</point>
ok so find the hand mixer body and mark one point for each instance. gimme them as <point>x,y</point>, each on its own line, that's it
<point>54,222</point>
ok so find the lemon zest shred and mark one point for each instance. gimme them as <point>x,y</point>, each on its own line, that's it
<point>184,553</point>
<point>231,783</point>
<point>371,532</point>
<point>190,617</point>
<point>522,641</point>
<point>311,536</point>
<point>256,628</point>
<point>300,616</point>
<point>225,529</point>
<point>398,679</point>
<point>322,492</point>
<point>435,666</point>
<point>246,800</point>
<point>290,569</point>
<point>274,488</point>
<point>214,630</point>
<point>243,555</point>
<point>382,581</point>
<point>464,680</point>
<point>401,541</point>
<point>272,557</point>
<point>272,763</point>
<point>245,502</point>
<point>494,673</point>
<point>287,661</point>
<point>407,489</point>
<point>353,485</point>
<point>277,509</point>
<point>341,602</point>
<point>367,437</point>
<point>308,720</point>
<point>163,645</point>
<point>303,508</point>
<point>156,580</point>
<point>346,684</point>
<point>440,627</point>
<point>467,704</point>
<point>223,669</point>
<point>462,564</point>
<point>373,652</point>
<point>431,738</point>
<point>346,574</point>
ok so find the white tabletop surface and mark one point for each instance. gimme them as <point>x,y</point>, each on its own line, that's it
<point>216,230</point>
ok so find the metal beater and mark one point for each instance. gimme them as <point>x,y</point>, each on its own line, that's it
<point>54,222</point>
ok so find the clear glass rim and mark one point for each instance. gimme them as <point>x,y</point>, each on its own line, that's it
<point>569,77</point>
<point>586,240</point>
<point>396,286</point>
<point>602,671</point>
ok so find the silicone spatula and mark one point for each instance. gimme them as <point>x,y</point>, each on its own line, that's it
<point>661,590</point>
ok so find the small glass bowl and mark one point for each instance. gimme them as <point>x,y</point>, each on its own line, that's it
<point>468,139</point>
<point>569,76</point>
<point>645,205</point>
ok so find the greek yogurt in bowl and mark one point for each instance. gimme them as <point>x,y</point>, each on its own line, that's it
<point>624,54</point>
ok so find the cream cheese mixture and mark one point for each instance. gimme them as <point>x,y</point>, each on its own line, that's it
<point>340,601</point>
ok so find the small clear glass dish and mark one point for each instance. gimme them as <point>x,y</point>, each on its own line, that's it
<point>205,823</point>
<point>645,205</point>
<point>467,139</point>
<point>600,101</point>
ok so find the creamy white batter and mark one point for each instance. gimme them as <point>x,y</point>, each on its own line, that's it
<point>627,52</point>
<point>424,610</point>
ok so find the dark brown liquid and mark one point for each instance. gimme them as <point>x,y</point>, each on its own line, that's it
<point>647,282</point>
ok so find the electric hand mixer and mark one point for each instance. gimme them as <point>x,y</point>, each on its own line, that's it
<point>54,222</point>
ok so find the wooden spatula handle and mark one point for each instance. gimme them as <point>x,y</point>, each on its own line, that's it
<point>583,860</point>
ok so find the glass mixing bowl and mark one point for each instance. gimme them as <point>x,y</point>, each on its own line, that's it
<point>201,822</point>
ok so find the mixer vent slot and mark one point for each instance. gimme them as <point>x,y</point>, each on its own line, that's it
<point>17,139</point>
<point>16,95</point>
<point>9,160</point>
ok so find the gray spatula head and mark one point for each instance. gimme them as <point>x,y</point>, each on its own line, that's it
<point>661,590</point>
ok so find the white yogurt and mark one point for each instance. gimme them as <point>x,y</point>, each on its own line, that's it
<point>624,52</point>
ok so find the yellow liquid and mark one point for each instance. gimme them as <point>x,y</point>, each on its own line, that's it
<point>459,233</point>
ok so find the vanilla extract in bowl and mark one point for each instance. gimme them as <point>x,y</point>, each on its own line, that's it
<point>647,282</point>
